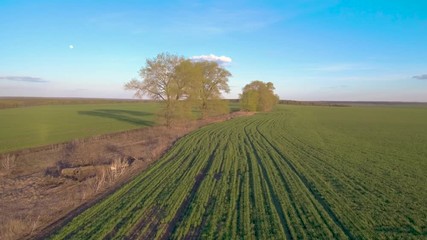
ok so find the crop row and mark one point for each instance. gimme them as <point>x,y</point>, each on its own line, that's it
<point>260,177</point>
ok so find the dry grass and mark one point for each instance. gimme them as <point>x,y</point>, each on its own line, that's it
<point>35,195</point>
<point>8,162</point>
<point>13,228</point>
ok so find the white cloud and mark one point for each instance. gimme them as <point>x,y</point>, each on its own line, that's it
<point>221,60</point>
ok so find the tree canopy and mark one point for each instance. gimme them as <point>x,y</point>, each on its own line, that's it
<point>159,81</point>
<point>181,85</point>
<point>213,82</point>
<point>258,96</point>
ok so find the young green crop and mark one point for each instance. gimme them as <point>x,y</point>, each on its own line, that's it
<point>298,172</point>
<point>40,125</point>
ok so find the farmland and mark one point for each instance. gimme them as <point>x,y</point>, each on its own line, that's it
<point>297,172</point>
<point>14,102</point>
<point>40,125</point>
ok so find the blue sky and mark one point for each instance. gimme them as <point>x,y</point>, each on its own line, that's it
<point>310,49</point>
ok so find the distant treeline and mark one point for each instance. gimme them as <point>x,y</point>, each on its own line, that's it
<point>305,103</point>
<point>351,103</point>
<point>314,103</point>
<point>14,102</point>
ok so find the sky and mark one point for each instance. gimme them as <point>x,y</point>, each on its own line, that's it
<point>353,50</point>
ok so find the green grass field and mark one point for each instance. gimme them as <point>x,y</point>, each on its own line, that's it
<point>298,172</point>
<point>14,102</point>
<point>40,125</point>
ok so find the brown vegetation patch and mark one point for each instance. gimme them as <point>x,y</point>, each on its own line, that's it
<point>40,187</point>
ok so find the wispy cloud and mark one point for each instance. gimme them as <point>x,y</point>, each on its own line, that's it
<point>196,19</point>
<point>220,21</point>
<point>360,78</point>
<point>24,79</point>
<point>420,77</point>
<point>340,67</point>
<point>221,60</point>
<point>339,86</point>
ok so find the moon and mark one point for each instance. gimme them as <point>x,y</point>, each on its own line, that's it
<point>71,46</point>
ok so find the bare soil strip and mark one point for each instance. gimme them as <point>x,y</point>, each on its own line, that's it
<point>36,199</point>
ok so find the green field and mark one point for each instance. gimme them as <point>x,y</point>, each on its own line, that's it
<point>298,172</point>
<point>14,102</point>
<point>40,125</point>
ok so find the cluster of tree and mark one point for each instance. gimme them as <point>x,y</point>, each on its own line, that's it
<point>182,85</point>
<point>258,96</point>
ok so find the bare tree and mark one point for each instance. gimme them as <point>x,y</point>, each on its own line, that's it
<point>159,82</point>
